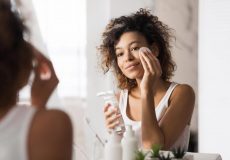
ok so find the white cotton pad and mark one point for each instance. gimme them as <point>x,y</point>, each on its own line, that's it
<point>45,72</point>
<point>145,49</point>
<point>45,76</point>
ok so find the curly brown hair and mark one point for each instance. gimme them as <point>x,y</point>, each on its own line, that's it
<point>151,28</point>
<point>15,55</point>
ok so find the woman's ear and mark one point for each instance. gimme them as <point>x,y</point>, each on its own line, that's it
<point>155,50</point>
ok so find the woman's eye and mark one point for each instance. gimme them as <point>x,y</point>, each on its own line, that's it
<point>119,54</point>
<point>135,48</point>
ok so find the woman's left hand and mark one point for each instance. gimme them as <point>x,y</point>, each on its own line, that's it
<point>152,71</point>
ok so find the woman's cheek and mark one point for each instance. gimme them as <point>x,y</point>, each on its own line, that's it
<point>119,63</point>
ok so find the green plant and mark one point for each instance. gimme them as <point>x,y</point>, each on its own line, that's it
<point>163,157</point>
<point>140,155</point>
<point>155,151</point>
<point>179,152</point>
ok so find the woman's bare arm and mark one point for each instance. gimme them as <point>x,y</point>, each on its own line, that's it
<point>177,116</point>
<point>50,136</point>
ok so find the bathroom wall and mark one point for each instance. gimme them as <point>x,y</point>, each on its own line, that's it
<point>214,77</point>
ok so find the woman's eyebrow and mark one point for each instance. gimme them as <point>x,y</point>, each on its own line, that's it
<point>133,42</point>
<point>116,48</point>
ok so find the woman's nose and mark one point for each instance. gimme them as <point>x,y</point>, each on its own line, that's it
<point>128,56</point>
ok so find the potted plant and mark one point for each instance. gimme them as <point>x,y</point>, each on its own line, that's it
<point>165,157</point>
<point>155,152</point>
<point>178,153</point>
<point>140,155</point>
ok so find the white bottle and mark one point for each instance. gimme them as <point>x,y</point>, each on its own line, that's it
<point>129,144</point>
<point>110,98</point>
<point>113,149</point>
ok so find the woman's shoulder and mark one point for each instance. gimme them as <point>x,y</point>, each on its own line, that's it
<point>50,133</point>
<point>52,112</point>
<point>183,91</point>
<point>50,119</point>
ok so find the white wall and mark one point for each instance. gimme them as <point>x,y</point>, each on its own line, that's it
<point>214,77</point>
<point>121,7</point>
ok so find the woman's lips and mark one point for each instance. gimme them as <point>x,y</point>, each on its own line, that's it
<point>131,66</point>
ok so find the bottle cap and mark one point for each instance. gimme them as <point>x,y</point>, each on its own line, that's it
<point>129,131</point>
<point>109,97</point>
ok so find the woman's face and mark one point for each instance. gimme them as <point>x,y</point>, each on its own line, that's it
<point>127,53</point>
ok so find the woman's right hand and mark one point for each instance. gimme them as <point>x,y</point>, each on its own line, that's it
<point>112,116</point>
<point>45,80</point>
<point>152,71</point>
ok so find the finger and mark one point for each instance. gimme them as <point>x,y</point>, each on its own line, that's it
<point>113,125</point>
<point>148,52</point>
<point>106,107</point>
<point>151,52</point>
<point>149,62</point>
<point>113,118</point>
<point>143,62</point>
<point>45,71</point>
<point>155,62</point>
<point>44,67</point>
<point>159,69</point>
<point>150,56</point>
<point>145,49</point>
<point>36,72</point>
<point>42,71</point>
<point>110,113</point>
<point>42,59</point>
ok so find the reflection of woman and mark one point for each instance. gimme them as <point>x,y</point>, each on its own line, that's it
<point>28,132</point>
<point>159,110</point>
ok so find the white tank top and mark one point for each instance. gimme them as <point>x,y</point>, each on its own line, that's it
<point>183,139</point>
<point>14,128</point>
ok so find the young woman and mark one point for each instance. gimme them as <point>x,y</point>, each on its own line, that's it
<point>158,109</point>
<point>28,132</point>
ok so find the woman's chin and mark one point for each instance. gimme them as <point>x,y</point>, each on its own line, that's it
<point>134,75</point>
